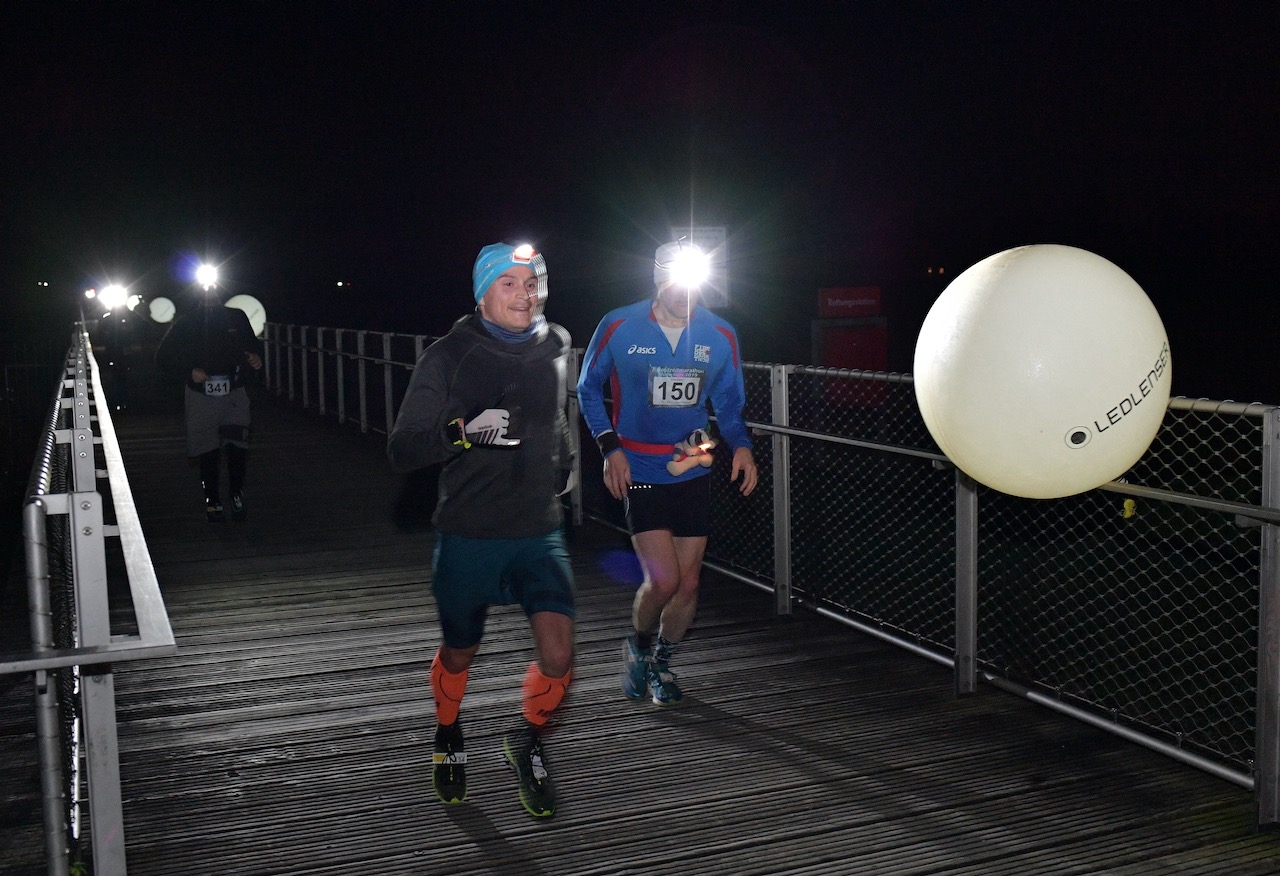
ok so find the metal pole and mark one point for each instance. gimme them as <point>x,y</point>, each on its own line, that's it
<point>288,351</point>
<point>364,389</point>
<point>575,434</point>
<point>780,382</point>
<point>306,367</point>
<point>341,363</point>
<point>966,583</point>
<point>53,800</point>
<point>267,358</point>
<point>1266,777</point>
<point>320,370</point>
<point>388,403</point>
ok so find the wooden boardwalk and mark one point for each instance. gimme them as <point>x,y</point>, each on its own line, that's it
<point>292,732</point>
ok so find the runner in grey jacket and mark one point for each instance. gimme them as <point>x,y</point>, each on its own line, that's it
<point>487,404</point>
<point>500,492</point>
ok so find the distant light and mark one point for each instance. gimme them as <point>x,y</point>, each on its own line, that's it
<point>161,309</point>
<point>90,293</point>
<point>43,283</point>
<point>133,301</point>
<point>207,276</point>
<point>113,296</point>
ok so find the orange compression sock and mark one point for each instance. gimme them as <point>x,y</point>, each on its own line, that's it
<point>542,694</point>
<point>448,688</point>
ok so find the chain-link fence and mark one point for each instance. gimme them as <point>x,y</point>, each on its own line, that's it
<point>1136,604</point>
<point>1142,610</point>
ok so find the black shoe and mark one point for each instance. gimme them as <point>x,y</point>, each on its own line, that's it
<point>238,511</point>
<point>523,748</point>
<point>449,764</point>
<point>213,512</point>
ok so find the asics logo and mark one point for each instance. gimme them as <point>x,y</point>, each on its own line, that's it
<point>646,351</point>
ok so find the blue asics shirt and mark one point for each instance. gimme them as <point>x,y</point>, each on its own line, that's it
<point>660,396</point>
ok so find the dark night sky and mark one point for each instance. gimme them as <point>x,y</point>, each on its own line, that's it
<point>840,143</point>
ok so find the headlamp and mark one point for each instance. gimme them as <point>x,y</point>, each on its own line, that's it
<point>682,264</point>
<point>207,276</point>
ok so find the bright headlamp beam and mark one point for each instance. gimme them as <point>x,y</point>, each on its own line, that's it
<point>690,268</point>
<point>207,276</point>
<point>113,296</point>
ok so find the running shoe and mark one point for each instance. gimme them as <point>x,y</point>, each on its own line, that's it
<point>523,748</point>
<point>213,512</point>
<point>238,511</point>
<point>662,684</point>
<point>449,764</point>
<point>635,669</point>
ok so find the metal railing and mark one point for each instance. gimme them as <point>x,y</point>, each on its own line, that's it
<point>77,516</point>
<point>1136,607</point>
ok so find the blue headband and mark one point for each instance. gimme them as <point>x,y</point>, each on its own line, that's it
<point>496,258</point>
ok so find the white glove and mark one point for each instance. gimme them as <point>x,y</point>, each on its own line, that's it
<point>490,427</point>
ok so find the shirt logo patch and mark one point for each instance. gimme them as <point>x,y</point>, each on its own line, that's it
<point>646,351</point>
<point>701,353</point>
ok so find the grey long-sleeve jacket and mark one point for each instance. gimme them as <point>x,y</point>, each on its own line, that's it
<point>487,491</point>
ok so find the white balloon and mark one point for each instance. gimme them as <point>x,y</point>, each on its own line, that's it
<point>1043,371</point>
<point>253,309</point>
<point>161,310</point>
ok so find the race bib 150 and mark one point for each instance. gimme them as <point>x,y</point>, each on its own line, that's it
<point>675,387</point>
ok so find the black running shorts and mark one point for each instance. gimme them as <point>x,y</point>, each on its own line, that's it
<point>684,507</point>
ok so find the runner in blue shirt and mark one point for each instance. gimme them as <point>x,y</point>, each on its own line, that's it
<point>665,359</point>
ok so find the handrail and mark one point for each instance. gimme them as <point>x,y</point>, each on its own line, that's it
<point>80,403</point>
<point>155,635</point>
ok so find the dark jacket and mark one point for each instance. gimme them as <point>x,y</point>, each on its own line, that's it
<point>212,337</point>
<point>488,491</point>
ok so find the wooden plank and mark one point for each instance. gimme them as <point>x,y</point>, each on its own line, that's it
<point>292,731</point>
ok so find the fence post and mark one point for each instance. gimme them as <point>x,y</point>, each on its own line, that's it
<point>966,583</point>
<point>388,403</point>
<point>288,351</point>
<point>780,396</point>
<point>320,370</point>
<point>1266,770</point>
<point>362,373</point>
<point>340,363</point>
<point>97,684</point>
<point>48,730</point>
<point>575,433</point>
<point>268,356</point>
<point>306,367</point>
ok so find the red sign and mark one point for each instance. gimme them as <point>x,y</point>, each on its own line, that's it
<point>849,301</point>
<point>863,347</point>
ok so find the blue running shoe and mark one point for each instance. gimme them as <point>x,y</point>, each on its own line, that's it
<point>635,669</point>
<point>662,684</point>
